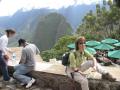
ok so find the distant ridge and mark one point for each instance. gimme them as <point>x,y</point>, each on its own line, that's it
<point>73,15</point>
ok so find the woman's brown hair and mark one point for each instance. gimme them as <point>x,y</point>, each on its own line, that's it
<point>10,31</point>
<point>79,40</point>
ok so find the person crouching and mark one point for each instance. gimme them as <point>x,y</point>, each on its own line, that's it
<point>27,63</point>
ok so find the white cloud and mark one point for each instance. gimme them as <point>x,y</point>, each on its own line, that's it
<point>9,7</point>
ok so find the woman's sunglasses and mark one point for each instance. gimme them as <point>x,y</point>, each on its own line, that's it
<point>81,43</point>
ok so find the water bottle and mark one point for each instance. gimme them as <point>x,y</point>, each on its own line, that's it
<point>14,56</point>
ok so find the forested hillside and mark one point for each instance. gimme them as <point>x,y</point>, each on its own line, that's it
<point>49,29</point>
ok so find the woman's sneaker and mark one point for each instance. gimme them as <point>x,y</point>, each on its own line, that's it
<point>30,83</point>
<point>11,81</point>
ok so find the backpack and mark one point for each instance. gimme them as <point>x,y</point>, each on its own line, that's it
<point>65,59</point>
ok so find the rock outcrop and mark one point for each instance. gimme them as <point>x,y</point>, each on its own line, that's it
<point>61,82</point>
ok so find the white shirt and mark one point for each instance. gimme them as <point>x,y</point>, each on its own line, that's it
<point>3,44</point>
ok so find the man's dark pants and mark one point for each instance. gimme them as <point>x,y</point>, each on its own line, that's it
<point>4,68</point>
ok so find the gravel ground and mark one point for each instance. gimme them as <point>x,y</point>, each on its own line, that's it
<point>17,86</point>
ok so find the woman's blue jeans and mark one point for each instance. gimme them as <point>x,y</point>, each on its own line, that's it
<point>4,68</point>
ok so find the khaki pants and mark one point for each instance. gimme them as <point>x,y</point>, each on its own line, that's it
<point>82,79</point>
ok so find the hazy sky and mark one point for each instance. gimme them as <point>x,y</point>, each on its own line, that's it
<point>9,7</point>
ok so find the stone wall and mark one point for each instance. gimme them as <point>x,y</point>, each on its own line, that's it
<point>61,82</point>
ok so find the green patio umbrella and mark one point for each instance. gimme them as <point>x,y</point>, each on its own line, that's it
<point>104,46</point>
<point>91,50</point>
<point>117,44</point>
<point>92,43</point>
<point>114,54</point>
<point>109,41</point>
<point>71,46</point>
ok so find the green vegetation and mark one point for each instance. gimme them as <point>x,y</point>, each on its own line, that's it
<point>105,22</point>
<point>59,48</point>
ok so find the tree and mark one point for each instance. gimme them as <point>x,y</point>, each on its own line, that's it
<point>59,48</point>
<point>117,2</point>
<point>105,22</point>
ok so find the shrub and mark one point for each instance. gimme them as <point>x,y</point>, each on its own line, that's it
<point>59,48</point>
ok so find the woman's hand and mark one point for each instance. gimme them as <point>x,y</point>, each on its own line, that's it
<point>76,69</point>
<point>6,57</point>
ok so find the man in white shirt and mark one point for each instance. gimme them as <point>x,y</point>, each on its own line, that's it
<point>3,53</point>
<point>27,63</point>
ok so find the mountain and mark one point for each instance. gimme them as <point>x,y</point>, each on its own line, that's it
<point>50,29</point>
<point>73,14</point>
<point>20,18</point>
<point>47,30</point>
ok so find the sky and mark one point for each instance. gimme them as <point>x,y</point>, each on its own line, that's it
<point>9,7</point>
